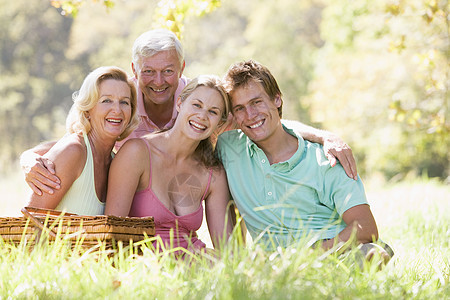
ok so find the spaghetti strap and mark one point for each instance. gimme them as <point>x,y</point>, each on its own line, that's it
<point>207,186</point>
<point>150,162</point>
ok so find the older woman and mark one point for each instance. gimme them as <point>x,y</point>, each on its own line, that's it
<point>170,174</point>
<point>104,111</point>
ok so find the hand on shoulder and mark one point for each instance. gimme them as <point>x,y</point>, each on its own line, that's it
<point>69,158</point>
<point>69,153</point>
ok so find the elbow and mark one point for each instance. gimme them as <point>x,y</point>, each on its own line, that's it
<point>369,234</point>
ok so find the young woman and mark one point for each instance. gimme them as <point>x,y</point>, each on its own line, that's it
<point>104,111</point>
<point>169,174</point>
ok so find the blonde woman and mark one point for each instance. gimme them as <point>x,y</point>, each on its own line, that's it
<point>169,174</point>
<point>104,111</point>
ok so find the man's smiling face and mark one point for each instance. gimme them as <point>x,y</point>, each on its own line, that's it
<point>158,76</point>
<point>254,112</point>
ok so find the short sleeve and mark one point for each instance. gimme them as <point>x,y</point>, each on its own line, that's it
<point>341,192</point>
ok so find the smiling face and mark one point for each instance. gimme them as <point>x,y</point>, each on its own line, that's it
<point>112,113</point>
<point>158,76</point>
<point>254,112</point>
<point>201,112</point>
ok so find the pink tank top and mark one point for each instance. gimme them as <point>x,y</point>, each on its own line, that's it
<point>175,231</point>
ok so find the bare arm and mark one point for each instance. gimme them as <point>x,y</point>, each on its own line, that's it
<point>68,157</point>
<point>334,147</point>
<point>39,170</point>
<point>359,219</point>
<point>125,175</point>
<point>217,211</point>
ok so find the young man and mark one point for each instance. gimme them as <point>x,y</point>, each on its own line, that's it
<point>158,64</point>
<point>284,186</point>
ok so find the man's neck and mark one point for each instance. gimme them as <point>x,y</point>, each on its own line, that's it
<point>280,147</point>
<point>160,114</point>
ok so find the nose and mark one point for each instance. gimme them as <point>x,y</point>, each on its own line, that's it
<point>251,112</point>
<point>158,80</point>
<point>116,106</point>
<point>203,113</point>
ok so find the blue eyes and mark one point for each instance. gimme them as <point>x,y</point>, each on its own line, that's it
<point>151,72</point>
<point>107,100</point>
<point>197,105</point>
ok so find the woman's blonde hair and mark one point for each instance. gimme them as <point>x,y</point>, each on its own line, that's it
<point>205,150</point>
<point>87,97</point>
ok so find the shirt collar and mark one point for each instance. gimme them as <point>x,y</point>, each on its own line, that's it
<point>298,155</point>
<point>252,148</point>
<point>141,108</point>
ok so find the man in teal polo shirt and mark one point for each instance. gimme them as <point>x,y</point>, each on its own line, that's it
<point>284,186</point>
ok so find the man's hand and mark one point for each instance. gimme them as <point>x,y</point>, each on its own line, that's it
<point>39,173</point>
<point>335,148</point>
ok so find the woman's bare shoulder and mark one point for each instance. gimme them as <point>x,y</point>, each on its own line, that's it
<point>132,149</point>
<point>70,147</point>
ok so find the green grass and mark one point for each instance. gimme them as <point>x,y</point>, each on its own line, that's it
<point>413,217</point>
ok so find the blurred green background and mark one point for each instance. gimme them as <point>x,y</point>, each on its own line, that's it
<point>374,72</point>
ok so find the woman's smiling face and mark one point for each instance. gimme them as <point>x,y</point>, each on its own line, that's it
<point>202,111</point>
<point>112,113</point>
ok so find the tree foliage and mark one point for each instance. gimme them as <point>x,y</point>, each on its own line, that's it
<point>430,49</point>
<point>33,41</point>
<point>385,71</point>
<point>374,72</point>
<point>72,7</point>
<point>171,14</point>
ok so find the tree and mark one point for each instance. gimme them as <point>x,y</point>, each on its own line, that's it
<point>170,14</point>
<point>34,82</point>
<point>385,71</point>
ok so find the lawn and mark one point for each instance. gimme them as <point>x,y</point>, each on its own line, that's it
<point>413,217</point>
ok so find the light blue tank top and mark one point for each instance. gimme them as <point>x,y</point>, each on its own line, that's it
<point>81,198</point>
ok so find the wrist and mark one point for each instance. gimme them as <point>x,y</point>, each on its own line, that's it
<point>27,159</point>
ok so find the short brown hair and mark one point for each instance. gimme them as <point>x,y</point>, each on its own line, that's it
<point>240,74</point>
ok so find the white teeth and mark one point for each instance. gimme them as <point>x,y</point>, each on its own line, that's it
<point>160,90</point>
<point>197,125</point>
<point>256,125</point>
<point>114,121</point>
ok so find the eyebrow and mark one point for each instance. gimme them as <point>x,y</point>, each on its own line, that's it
<point>204,103</point>
<point>252,99</point>
<point>164,67</point>
<point>108,95</point>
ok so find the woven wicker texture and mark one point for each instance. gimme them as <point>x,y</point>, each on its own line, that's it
<point>91,228</point>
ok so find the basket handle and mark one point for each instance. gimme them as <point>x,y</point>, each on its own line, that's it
<point>36,221</point>
<point>46,211</point>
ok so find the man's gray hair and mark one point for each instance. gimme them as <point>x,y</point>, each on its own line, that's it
<point>151,42</point>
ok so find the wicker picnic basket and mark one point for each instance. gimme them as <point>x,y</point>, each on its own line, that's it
<point>88,230</point>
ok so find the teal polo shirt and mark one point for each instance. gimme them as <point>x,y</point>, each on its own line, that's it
<point>283,202</point>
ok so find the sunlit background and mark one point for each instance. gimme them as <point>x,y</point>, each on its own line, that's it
<point>374,72</point>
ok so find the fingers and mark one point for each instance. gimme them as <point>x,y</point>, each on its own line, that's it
<point>48,164</point>
<point>346,159</point>
<point>42,183</point>
<point>34,188</point>
<point>352,163</point>
<point>331,158</point>
<point>40,179</point>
